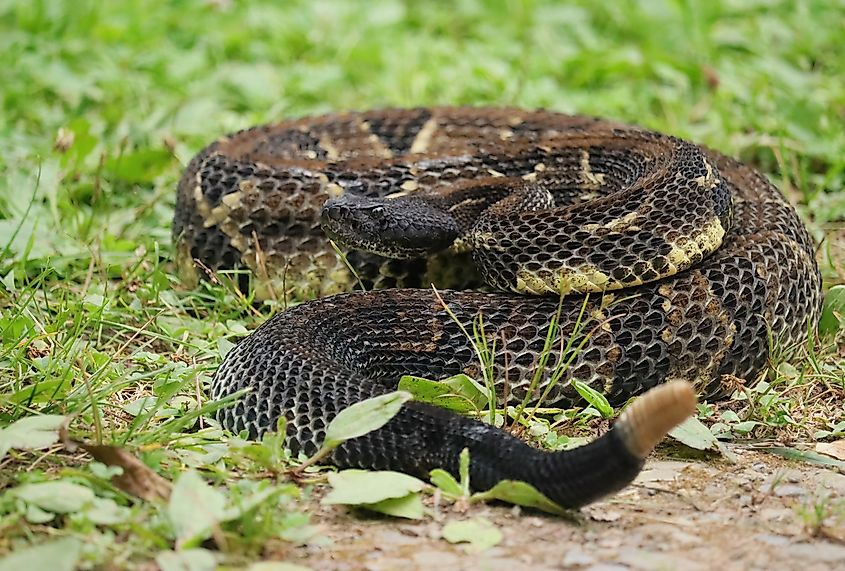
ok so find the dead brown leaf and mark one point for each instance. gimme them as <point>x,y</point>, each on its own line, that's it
<point>136,479</point>
<point>835,449</point>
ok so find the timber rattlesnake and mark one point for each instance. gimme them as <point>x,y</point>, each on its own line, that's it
<point>714,263</point>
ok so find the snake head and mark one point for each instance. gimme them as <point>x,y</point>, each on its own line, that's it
<point>402,227</point>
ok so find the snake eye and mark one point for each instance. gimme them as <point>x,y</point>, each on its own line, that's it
<point>377,212</point>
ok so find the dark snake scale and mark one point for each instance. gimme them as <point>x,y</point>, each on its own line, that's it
<point>678,265</point>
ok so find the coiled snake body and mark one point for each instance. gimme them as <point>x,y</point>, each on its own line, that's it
<point>693,266</point>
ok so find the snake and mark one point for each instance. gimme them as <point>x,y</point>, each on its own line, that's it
<point>567,254</point>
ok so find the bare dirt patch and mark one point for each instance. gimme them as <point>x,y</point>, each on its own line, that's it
<point>761,512</point>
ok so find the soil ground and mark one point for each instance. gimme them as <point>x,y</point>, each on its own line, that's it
<point>761,512</point>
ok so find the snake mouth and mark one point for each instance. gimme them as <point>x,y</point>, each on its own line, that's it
<point>389,228</point>
<point>360,229</point>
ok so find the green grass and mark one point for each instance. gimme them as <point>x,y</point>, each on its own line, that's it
<point>104,102</point>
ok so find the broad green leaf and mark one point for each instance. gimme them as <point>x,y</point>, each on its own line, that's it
<point>186,560</point>
<point>745,426</point>
<point>460,393</point>
<point>194,508</point>
<point>34,514</point>
<point>363,417</point>
<point>104,511</point>
<point>43,392</point>
<point>446,482</point>
<point>56,555</point>
<point>694,434</point>
<point>478,532</point>
<point>409,506</point>
<point>521,494</point>
<point>356,487</point>
<point>833,311</point>
<point>57,497</point>
<point>141,405</point>
<point>31,432</point>
<point>595,398</point>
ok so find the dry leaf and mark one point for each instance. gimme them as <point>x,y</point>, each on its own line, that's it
<point>835,449</point>
<point>137,478</point>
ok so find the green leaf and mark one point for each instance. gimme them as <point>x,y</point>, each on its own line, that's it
<point>460,393</point>
<point>104,511</point>
<point>34,514</point>
<point>224,346</point>
<point>143,165</point>
<point>194,508</point>
<point>408,507</point>
<point>595,398</point>
<point>249,503</point>
<point>478,532</point>
<point>694,434</point>
<point>363,417</point>
<point>521,494</point>
<point>463,470</point>
<point>833,311</point>
<point>446,482</point>
<point>57,497</point>
<point>186,560</point>
<point>56,555</point>
<point>31,432</point>
<point>745,426</point>
<point>356,487</point>
<point>804,456</point>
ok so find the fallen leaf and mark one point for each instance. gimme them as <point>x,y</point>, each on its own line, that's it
<point>695,434</point>
<point>357,487</point>
<point>834,449</point>
<point>409,506</point>
<point>478,532</point>
<point>137,478</point>
<point>390,493</point>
